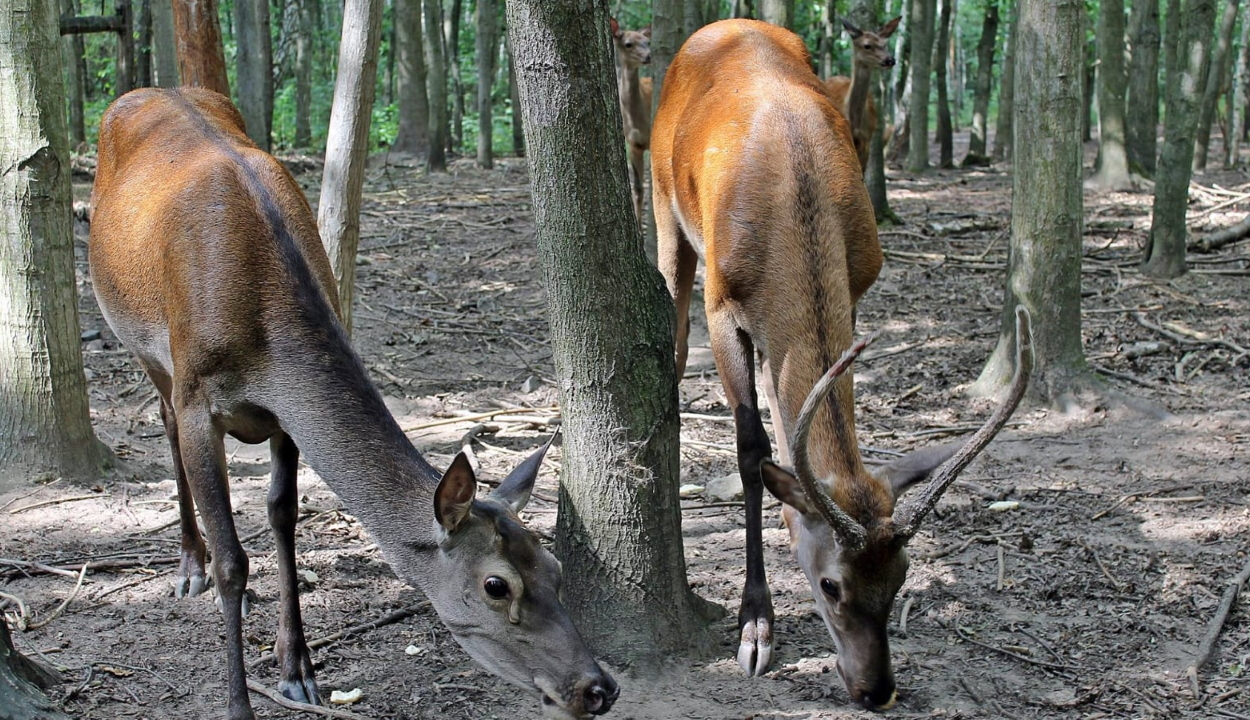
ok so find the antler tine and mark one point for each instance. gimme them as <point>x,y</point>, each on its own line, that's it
<point>911,515</point>
<point>852,534</point>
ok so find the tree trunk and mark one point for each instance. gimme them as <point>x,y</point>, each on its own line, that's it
<point>436,85</point>
<point>143,51</point>
<point>164,58</point>
<point>1142,115</point>
<point>619,527</point>
<point>413,135</point>
<point>921,55</point>
<point>1004,128</point>
<point>984,83</point>
<point>254,68</point>
<point>1165,254</point>
<point>1112,164</point>
<point>1215,80</point>
<point>201,59</point>
<point>778,12</point>
<point>303,71</point>
<point>900,85</point>
<point>955,71</point>
<point>945,139</point>
<point>45,426</point>
<point>1044,264</point>
<point>20,680</point>
<point>1240,79</point>
<point>668,26</point>
<point>829,36</point>
<point>347,144</point>
<point>71,54</point>
<point>1091,76</point>
<point>487,52</point>
<point>452,48</point>
<point>124,75</point>
<point>518,129</point>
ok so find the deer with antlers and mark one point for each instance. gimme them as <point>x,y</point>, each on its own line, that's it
<point>754,170</point>
<point>853,95</point>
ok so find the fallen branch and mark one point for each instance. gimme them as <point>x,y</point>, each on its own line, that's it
<point>1220,238</point>
<point>82,574</point>
<point>57,501</point>
<point>277,698</point>
<point>1207,647</point>
<point>389,619</point>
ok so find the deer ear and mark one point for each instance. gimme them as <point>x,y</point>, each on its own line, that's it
<point>888,29</point>
<point>854,31</point>
<point>616,28</point>
<point>646,31</point>
<point>785,486</point>
<point>455,493</point>
<point>916,466</point>
<point>515,490</point>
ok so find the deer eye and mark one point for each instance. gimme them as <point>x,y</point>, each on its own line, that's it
<point>830,588</point>
<point>496,587</point>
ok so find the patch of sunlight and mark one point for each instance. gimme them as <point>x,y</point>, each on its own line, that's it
<point>1171,528</point>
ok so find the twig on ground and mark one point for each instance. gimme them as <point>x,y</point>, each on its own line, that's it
<point>82,574</point>
<point>1098,560</point>
<point>1041,663</point>
<point>1002,566</point>
<point>479,416</point>
<point>277,698</point>
<point>1207,647</point>
<point>131,583</point>
<point>58,501</point>
<point>902,618</point>
<point>32,492</point>
<point>389,619</point>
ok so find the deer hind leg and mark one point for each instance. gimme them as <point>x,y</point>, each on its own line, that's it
<point>298,681</point>
<point>203,455</point>
<point>191,579</point>
<point>735,361</point>
<point>788,514</point>
<point>677,261</point>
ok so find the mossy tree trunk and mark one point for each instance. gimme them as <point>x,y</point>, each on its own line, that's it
<point>413,134</point>
<point>1112,172</point>
<point>921,28</point>
<point>982,85</point>
<point>1142,106</point>
<point>619,528</point>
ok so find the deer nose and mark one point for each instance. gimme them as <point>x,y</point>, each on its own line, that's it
<point>888,62</point>
<point>598,698</point>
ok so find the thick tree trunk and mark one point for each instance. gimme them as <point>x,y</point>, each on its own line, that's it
<point>347,144</point>
<point>1165,254</point>
<point>921,54</point>
<point>303,70</point>
<point>20,681</point>
<point>45,426</point>
<point>984,82</point>
<point>514,95</point>
<point>436,85</point>
<point>1232,156</point>
<point>254,68</point>
<point>487,51</point>
<point>201,59</point>
<point>413,135</point>
<point>1044,265</point>
<point>451,45</point>
<point>71,54</point>
<point>945,139</point>
<point>1215,82</point>
<point>1142,113</point>
<point>164,56</point>
<point>1112,172</point>
<point>778,12</point>
<point>619,528</point>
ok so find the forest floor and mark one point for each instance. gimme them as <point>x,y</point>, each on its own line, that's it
<point>1087,600</point>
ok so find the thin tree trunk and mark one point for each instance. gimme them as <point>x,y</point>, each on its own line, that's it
<point>436,85</point>
<point>1091,77</point>
<point>778,12</point>
<point>452,48</point>
<point>1112,164</point>
<point>413,135</point>
<point>1215,80</point>
<point>254,68</point>
<point>900,84</point>
<point>1044,265</point>
<point>347,144</point>
<point>1004,127</point>
<point>1142,113</point>
<point>201,59</point>
<point>124,75</point>
<point>981,90</point>
<point>45,427</point>
<point>143,51</point>
<point>618,532</point>
<point>828,34</point>
<point>487,52</point>
<point>955,69</point>
<point>71,53</point>
<point>514,95</point>
<point>945,139</point>
<point>303,71</point>
<point>1240,79</point>
<point>921,55</point>
<point>1165,254</point>
<point>164,57</point>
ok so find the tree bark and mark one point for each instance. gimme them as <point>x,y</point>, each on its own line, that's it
<point>1044,264</point>
<point>254,68</point>
<point>20,683</point>
<point>1215,81</point>
<point>778,12</point>
<point>518,130</point>
<point>451,47</point>
<point>1112,165</point>
<point>487,51</point>
<point>945,139</point>
<point>828,37</point>
<point>45,426</point>
<point>307,27</point>
<point>1142,114</point>
<point>984,82</point>
<point>71,53</point>
<point>164,57</point>
<point>143,50</point>
<point>619,528</point>
<point>1165,254</point>
<point>347,144</point>
<point>413,135</point>
<point>921,55</point>
<point>436,86</point>
<point>900,90</point>
<point>1232,156</point>
<point>201,59</point>
<point>124,74</point>
<point>668,32</point>
<point>1090,96</point>
<point>1004,128</point>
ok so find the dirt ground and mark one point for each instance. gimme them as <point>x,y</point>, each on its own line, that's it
<point>1087,600</point>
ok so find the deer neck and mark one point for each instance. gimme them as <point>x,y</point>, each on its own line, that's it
<point>633,105</point>
<point>857,96</point>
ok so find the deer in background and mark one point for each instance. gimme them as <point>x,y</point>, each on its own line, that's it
<point>754,170</point>
<point>207,264</point>
<point>852,95</point>
<point>633,50</point>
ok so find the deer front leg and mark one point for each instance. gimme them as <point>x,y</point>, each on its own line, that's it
<point>191,579</point>
<point>735,362</point>
<point>294,661</point>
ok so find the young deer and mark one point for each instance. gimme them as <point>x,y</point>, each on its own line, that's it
<point>633,50</point>
<point>207,264</point>
<point>853,95</point>
<point>753,169</point>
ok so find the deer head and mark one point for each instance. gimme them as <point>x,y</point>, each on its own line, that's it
<point>856,565</point>
<point>498,591</point>
<point>870,48</point>
<point>633,47</point>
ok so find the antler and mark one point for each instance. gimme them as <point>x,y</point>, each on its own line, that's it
<point>851,533</point>
<point>909,517</point>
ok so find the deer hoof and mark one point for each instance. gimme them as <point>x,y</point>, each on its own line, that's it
<point>755,650</point>
<point>189,585</point>
<point>245,602</point>
<point>301,690</point>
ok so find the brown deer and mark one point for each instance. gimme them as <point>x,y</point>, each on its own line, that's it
<point>754,170</point>
<point>207,264</point>
<point>633,50</point>
<point>852,95</point>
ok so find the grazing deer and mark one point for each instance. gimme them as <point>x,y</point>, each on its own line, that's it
<point>633,50</point>
<point>753,169</point>
<point>852,95</point>
<point>207,264</point>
